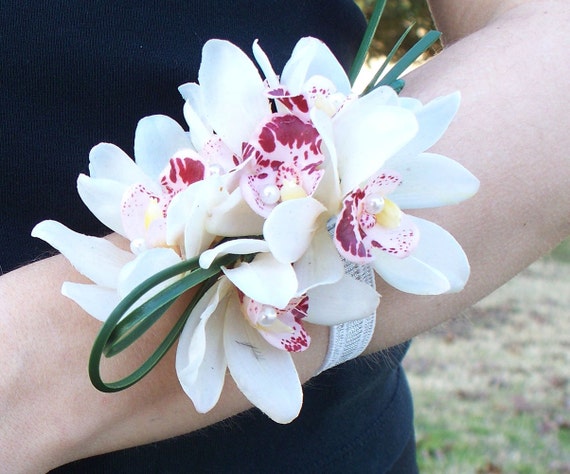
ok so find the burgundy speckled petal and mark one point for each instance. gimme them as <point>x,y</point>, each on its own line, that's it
<point>288,332</point>
<point>287,150</point>
<point>134,207</point>
<point>348,236</point>
<point>398,242</point>
<point>181,172</point>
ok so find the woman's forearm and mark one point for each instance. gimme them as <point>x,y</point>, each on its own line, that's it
<point>50,412</point>
<point>457,19</point>
<point>511,132</point>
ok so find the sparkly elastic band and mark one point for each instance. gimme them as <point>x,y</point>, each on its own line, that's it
<point>348,340</point>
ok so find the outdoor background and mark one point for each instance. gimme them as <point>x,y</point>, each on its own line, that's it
<point>492,388</point>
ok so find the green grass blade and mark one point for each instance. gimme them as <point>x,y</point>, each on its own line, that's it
<point>366,41</point>
<point>411,55</point>
<point>386,62</point>
<point>140,320</point>
<point>148,365</point>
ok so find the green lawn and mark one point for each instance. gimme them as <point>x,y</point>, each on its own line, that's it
<point>492,389</point>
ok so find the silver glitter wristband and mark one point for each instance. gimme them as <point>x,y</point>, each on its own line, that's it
<point>348,340</point>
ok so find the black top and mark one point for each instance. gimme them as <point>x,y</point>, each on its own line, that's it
<point>73,74</point>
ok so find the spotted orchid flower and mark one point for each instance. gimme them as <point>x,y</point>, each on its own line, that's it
<point>369,222</point>
<point>415,256</point>
<point>250,321</point>
<point>311,78</point>
<point>411,254</point>
<point>276,158</point>
<point>225,111</point>
<point>144,212</point>
<point>132,198</point>
<point>281,164</point>
<point>218,337</point>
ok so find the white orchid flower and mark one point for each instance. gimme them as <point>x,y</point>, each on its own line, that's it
<point>254,336</point>
<point>113,271</point>
<point>132,198</point>
<point>358,133</point>
<point>411,254</point>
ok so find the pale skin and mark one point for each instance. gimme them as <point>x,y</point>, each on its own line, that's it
<point>508,59</point>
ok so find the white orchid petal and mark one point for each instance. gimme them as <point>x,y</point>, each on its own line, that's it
<point>312,57</point>
<point>289,228</point>
<point>234,92</point>
<point>200,357</point>
<point>210,378</point>
<point>345,300</point>
<point>430,180</point>
<point>434,118</point>
<point>265,280</point>
<point>157,139</point>
<point>233,217</point>
<point>320,264</point>
<point>187,215</point>
<point>199,132</point>
<point>190,92</point>
<point>410,103</point>
<point>196,240</point>
<point>192,345</point>
<point>411,275</point>
<point>192,341</point>
<point>108,161</point>
<point>328,190</point>
<point>366,135</point>
<point>103,197</point>
<point>96,300</point>
<point>265,65</point>
<point>96,258</point>
<point>200,129</point>
<point>437,265</point>
<point>266,375</point>
<point>236,246</point>
<point>144,266</point>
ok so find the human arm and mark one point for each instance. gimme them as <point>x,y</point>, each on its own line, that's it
<point>50,412</point>
<point>68,421</point>
<point>509,132</point>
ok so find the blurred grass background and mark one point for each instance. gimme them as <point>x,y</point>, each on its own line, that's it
<point>399,15</point>
<point>491,388</point>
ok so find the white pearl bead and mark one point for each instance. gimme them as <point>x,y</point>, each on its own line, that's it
<point>268,315</point>
<point>270,194</point>
<point>374,204</point>
<point>138,245</point>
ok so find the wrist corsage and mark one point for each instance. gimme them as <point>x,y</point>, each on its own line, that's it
<point>281,183</point>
